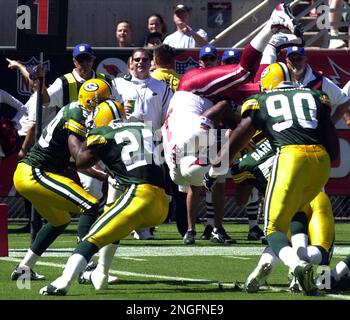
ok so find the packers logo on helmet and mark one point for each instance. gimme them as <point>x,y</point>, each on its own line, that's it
<point>273,75</point>
<point>108,111</point>
<point>93,92</point>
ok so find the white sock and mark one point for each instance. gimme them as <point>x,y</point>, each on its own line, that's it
<point>75,264</point>
<point>289,257</point>
<point>29,260</point>
<point>314,255</point>
<point>340,270</point>
<point>334,32</point>
<point>269,55</point>
<point>299,243</point>
<point>260,41</point>
<point>268,256</point>
<point>106,258</point>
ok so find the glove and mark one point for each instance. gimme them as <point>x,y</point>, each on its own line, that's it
<point>209,182</point>
<point>113,183</point>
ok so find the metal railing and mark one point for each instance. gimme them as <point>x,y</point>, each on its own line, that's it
<point>322,33</point>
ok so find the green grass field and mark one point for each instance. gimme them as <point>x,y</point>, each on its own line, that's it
<point>165,269</point>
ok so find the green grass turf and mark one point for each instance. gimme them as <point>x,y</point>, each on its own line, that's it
<point>175,277</point>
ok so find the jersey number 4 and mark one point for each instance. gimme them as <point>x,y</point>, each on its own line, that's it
<point>302,110</point>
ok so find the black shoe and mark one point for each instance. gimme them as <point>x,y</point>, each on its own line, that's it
<point>207,232</point>
<point>25,229</point>
<point>21,271</point>
<point>190,237</point>
<point>255,234</point>
<point>220,236</point>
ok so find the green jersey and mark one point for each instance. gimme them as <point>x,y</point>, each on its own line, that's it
<point>129,152</point>
<point>289,116</point>
<point>51,152</point>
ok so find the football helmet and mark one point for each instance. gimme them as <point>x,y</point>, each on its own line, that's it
<point>107,111</point>
<point>93,92</point>
<point>273,75</point>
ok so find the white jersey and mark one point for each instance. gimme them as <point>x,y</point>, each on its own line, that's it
<point>180,39</point>
<point>179,132</point>
<point>335,94</point>
<point>7,99</point>
<point>151,97</point>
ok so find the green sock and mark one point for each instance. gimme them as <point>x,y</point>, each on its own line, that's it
<point>46,235</point>
<point>86,220</point>
<point>277,240</point>
<point>86,249</point>
<point>299,223</point>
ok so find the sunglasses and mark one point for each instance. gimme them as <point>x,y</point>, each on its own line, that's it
<point>140,59</point>
<point>209,58</point>
<point>83,58</point>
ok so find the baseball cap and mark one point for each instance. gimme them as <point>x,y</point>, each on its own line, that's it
<point>298,50</point>
<point>82,48</point>
<point>181,7</point>
<point>230,53</point>
<point>208,50</point>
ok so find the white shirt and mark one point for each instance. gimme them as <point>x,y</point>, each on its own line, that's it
<point>6,98</point>
<point>152,98</point>
<point>335,94</point>
<point>179,39</point>
<point>346,89</point>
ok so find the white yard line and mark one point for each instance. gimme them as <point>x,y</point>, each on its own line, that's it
<point>156,251</point>
<point>154,276</point>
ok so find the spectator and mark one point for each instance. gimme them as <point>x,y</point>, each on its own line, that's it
<point>163,60</point>
<point>334,20</point>
<point>208,57</point>
<point>230,56</point>
<point>153,39</point>
<point>11,110</point>
<point>28,121</point>
<point>156,23</point>
<point>185,36</point>
<point>123,34</point>
<point>145,99</point>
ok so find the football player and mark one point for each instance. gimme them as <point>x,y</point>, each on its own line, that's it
<point>297,123</point>
<point>187,134</point>
<point>128,151</point>
<point>39,175</point>
<point>314,223</point>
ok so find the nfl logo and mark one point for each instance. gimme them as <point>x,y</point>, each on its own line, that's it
<point>23,87</point>
<point>182,66</point>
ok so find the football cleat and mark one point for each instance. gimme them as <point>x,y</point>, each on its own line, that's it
<point>282,18</point>
<point>85,278</point>
<point>51,290</point>
<point>304,274</point>
<point>143,234</point>
<point>294,285</point>
<point>281,40</point>
<point>190,237</point>
<point>220,236</point>
<point>257,278</point>
<point>207,232</point>
<point>22,271</point>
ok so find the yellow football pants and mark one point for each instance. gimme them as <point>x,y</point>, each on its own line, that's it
<point>298,174</point>
<point>321,222</point>
<point>140,206</point>
<point>52,195</point>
